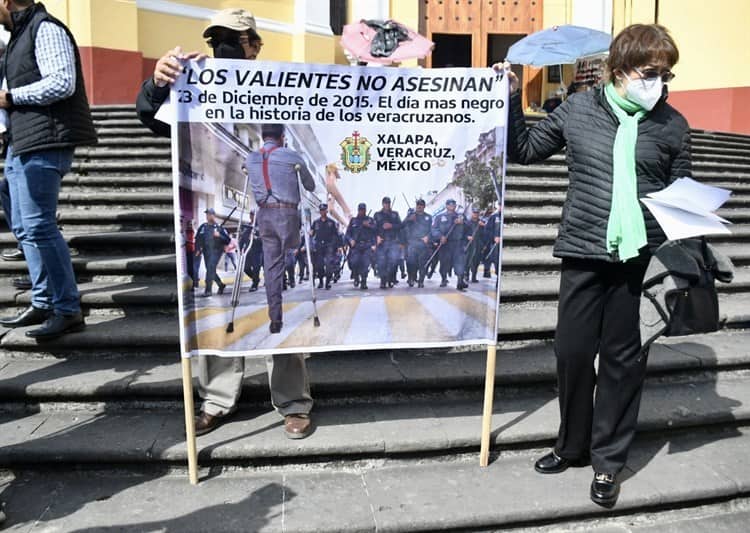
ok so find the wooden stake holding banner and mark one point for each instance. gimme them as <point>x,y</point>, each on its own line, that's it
<point>187,391</point>
<point>489,396</point>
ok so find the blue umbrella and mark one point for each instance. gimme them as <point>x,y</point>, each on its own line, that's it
<point>558,45</point>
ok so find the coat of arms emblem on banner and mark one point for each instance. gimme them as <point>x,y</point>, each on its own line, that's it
<point>355,152</point>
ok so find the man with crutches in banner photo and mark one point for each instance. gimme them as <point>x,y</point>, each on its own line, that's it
<point>231,34</point>
<point>273,173</point>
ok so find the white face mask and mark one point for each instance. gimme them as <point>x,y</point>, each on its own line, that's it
<point>645,93</point>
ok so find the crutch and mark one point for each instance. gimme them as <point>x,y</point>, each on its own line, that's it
<point>306,216</point>
<point>236,288</point>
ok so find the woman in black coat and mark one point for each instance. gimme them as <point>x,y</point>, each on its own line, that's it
<point>622,141</point>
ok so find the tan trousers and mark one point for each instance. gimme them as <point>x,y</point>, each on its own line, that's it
<point>220,383</point>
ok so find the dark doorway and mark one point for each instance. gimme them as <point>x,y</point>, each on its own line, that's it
<point>451,50</point>
<point>497,50</point>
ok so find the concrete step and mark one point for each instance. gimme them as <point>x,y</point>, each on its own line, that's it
<point>524,286</point>
<point>113,293</point>
<point>128,154</point>
<point>387,375</point>
<point>517,198</point>
<point>561,183</point>
<point>92,265</point>
<point>108,219</point>
<point>92,433</point>
<point>537,320</point>
<point>529,319</point>
<point>141,131</point>
<point>552,214</point>
<point>103,334</point>
<point>121,197</point>
<point>131,241</point>
<point>701,162</point>
<point>136,141</point>
<point>679,470</point>
<point>550,171</point>
<point>530,234</point>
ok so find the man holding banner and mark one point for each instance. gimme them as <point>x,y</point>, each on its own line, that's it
<point>231,34</point>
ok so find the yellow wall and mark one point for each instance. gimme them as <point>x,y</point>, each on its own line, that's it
<point>714,51</point>
<point>556,12</point>
<point>279,10</point>
<point>627,12</point>
<point>407,13</point>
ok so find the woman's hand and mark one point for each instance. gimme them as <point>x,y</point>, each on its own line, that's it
<point>512,78</point>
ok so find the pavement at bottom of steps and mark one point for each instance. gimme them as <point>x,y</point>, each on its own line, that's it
<point>428,495</point>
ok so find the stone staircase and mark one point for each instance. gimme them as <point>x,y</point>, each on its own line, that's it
<point>91,425</point>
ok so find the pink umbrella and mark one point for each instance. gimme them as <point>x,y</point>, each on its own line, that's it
<point>384,42</point>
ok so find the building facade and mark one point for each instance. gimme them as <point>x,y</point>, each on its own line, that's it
<point>121,40</point>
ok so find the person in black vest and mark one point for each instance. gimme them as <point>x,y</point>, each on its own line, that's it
<point>417,227</point>
<point>49,116</point>
<point>325,232</point>
<point>254,260</point>
<point>623,141</point>
<point>450,229</point>
<point>388,254</point>
<point>361,237</point>
<point>210,240</point>
<point>474,245</point>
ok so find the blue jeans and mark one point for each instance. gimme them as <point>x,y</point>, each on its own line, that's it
<point>34,181</point>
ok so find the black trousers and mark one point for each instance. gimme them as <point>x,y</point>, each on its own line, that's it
<point>598,312</point>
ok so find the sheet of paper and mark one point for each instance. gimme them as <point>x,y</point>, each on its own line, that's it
<point>166,112</point>
<point>681,224</point>
<point>687,190</point>
<point>690,208</point>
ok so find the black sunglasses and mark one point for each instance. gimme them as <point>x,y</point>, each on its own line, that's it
<point>651,74</point>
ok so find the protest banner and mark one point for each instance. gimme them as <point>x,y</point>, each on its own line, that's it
<point>362,134</point>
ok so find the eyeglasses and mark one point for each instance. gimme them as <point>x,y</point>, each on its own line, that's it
<point>651,74</point>
<point>251,43</point>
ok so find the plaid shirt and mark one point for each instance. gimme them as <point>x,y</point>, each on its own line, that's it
<point>55,58</point>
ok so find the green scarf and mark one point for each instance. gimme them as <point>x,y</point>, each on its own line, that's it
<point>626,230</point>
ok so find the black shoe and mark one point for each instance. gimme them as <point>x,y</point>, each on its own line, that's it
<point>383,284</point>
<point>461,285</point>
<point>291,283</point>
<point>474,279</point>
<point>487,274</point>
<point>275,326</point>
<point>58,325</point>
<point>410,282</point>
<point>605,489</point>
<point>30,317</point>
<point>363,286</point>
<point>320,284</point>
<point>403,275</point>
<point>23,283</point>
<point>206,294</point>
<point>356,281</point>
<point>13,255</point>
<point>554,464</point>
<point>221,288</point>
<point>444,283</point>
<point>420,284</point>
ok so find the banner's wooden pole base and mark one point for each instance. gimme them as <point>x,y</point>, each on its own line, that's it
<point>187,390</point>
<point>489,395</point>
